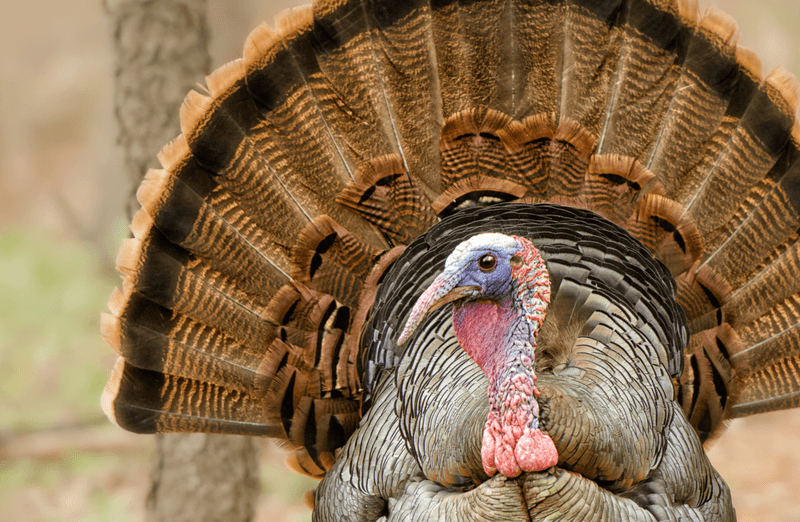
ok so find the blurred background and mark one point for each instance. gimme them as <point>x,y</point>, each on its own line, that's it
<point>62,197</point>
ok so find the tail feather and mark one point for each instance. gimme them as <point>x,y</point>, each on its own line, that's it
<point>321,427</point>
<point>340,69</point>
<point>476,68</point>
<point>591,50</point>
<point>768,230</point>
<point>707,382</point>
<point>768,370</point>
<point>774,284</point>
<point>329,259</point>
<point>236,200</point>
<point>645,79</point>
<point>753,149</point>
<point>389,198</point>
<point>236,157</point>
<point>470,146</point>
<point>145,401</point>
<point>313,327</point>
<point>183,218</point>
<point>406,56</point>
<point>153,338</point>
<point>612,185</point>
<point>167,282</point>
<point>296,138</point>
<point>537,33</point>
<point>710,72</point>
<point>299,461</point>
<point>356,125</point>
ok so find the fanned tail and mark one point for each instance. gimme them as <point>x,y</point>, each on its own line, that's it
<point>356,125</point>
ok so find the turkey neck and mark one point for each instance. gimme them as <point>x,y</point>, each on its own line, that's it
<point>498,338</point>
<point>501,338</point>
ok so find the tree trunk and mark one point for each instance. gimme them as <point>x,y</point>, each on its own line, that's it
<point>161,52</point>
<point>199,477</point>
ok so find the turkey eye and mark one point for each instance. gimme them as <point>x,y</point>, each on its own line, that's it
<point>487,263</point>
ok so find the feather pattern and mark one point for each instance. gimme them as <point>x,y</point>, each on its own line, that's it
<point>319,186</point>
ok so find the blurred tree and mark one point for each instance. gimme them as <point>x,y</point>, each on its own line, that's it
<point>161,52</point>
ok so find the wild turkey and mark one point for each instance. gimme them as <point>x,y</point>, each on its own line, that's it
<point>626,155</point>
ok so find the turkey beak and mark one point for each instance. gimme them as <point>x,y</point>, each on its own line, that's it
<point>441,292</point>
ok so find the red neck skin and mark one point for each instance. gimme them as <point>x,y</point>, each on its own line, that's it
<point>485,330</point>
<point>499,338</point>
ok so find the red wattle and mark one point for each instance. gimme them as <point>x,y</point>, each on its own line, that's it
<point>487,452</point>
<point>486,330</point>
<point>535,451</point>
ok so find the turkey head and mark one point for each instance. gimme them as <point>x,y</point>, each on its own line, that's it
<point>500,289</point>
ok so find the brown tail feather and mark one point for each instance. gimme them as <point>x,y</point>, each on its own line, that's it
<point>355,126</point>
<point>144,401</point>
<point>389,198</point>
<point>592,44</point>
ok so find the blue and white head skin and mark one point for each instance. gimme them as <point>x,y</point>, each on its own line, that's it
<point>479,267</point>
<point>500,288</point>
